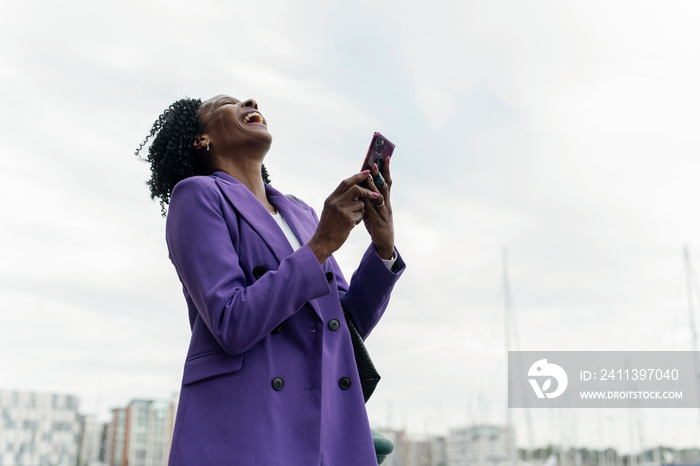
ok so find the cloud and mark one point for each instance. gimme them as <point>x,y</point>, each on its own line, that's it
<point>564,133</point>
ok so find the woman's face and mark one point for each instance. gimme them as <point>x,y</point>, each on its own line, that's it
<point>231,124</point>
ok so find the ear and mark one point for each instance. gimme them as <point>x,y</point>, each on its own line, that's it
<point>201,142</point>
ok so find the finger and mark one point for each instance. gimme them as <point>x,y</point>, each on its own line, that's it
<point>368,208</point>
<point>357,205</point>
<point>386,172</point>
<point>377,176</point>
<point>379,200</point>
<point>357,191</point>
<point>386,188</point>
<point>348,183</point>
<point>380,203</point>
<point>374,209</point>
<point>358,216</point>
<point>373,173</point>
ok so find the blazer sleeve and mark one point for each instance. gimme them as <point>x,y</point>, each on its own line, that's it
<point>201,248</point>
<point>370,288</point>
<point>367,296</point>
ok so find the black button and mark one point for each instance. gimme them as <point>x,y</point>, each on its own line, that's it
<point>329,276</point>
<point>345,383</point>
<point>278,383</point>
<point>259,271</point>
<point>334,324</point>
<point>277,329</point>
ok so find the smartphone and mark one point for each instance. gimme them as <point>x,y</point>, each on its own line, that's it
<point>380,149</point>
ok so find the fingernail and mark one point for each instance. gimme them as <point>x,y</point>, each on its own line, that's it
<point>364,172</point>
<point>375,194</point>
<point>375,167</point>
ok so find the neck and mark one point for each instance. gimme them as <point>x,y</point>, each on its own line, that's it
<point>250,175</point>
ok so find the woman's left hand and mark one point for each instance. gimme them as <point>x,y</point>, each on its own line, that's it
<point>378,217</point>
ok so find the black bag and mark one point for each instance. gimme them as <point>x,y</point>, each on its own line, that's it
<point>369,377</point>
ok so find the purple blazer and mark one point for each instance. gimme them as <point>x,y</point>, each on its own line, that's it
<point>270,377</point>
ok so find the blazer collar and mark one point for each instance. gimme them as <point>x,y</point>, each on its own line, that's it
<point>249,207</point>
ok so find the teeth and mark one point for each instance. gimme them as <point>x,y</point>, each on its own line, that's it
<point>255,116</point>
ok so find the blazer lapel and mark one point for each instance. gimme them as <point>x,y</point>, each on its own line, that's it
<point>299,218</point>
<point>248,206</point>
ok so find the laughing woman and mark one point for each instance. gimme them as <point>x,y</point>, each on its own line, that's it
<point>270,376</point>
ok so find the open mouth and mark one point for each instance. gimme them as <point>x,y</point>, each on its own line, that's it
<point>253,117</point>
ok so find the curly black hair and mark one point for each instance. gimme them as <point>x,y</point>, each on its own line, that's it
<point>172,154</point>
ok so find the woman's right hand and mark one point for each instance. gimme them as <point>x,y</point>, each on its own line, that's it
<point>342,211</point>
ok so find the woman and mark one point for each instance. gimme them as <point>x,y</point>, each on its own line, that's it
<point>270,376</point>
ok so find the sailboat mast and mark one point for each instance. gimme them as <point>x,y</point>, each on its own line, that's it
<point>506,298</point>
<point>691,316</point>
<point>689,291</point>
<point>506,318</point>
<point>511,331</point>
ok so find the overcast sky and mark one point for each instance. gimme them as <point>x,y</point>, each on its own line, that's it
<point>566,132</point>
